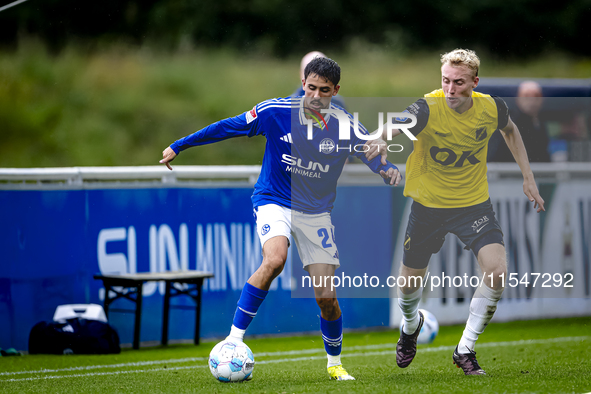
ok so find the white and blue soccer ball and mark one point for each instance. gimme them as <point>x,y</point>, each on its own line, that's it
<point>231,361</point>
<point>429,330</point>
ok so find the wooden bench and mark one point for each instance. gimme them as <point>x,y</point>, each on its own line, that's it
<point>129,286</point>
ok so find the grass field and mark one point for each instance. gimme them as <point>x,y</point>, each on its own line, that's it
<point>544,356</point>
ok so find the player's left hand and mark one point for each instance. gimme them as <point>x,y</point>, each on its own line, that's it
<point>375,148</point>
<point>531,191</point>
<point>392,175</point>
<point>168,155</point>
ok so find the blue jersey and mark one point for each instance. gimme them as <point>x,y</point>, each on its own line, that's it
<point>297,172</point>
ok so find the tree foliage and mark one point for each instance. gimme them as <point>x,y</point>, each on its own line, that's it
<point>283,27</point>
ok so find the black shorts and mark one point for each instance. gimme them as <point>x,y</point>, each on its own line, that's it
<point>476,226</point>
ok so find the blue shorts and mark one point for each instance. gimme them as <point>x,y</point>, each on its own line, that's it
<point>476,226</point>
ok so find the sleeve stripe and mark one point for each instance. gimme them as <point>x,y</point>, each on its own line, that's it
<point>274,106</point>
<point>275,103</point>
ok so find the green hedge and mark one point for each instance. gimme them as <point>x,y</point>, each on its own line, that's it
<point>124,105</point>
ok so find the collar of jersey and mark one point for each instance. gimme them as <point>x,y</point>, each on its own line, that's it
<point>468,112</point>
<point>438,94</point>
<point>304,120</point>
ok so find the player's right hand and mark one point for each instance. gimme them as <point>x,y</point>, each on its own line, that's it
<point>531,191</point>
<point>391,177</point>
<point>168,155</point>
<point>375,148</point>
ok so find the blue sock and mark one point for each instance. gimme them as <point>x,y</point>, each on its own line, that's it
<point>332,335</point>
<point>248,305</point>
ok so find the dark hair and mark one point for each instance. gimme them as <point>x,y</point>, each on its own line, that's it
<point>325,68</point>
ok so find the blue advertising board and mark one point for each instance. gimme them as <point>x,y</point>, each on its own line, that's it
<point>53,241</point>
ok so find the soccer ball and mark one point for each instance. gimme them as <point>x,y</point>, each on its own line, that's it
<point>231,361</point>
<point>429,330</point>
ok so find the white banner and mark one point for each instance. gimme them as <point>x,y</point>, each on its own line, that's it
<point>553,252</point>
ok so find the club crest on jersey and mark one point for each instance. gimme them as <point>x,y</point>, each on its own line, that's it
<point>266,228</point>
<point>251,115</point>
<point>481,134</point>
<point>327,146</point>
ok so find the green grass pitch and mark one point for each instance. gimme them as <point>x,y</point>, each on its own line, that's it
<point>543,356</point>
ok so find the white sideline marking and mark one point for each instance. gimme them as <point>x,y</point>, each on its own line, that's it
<point>188,359</point>
<point>89,367</point>
<point>292,352</point>
<point>7,6</point>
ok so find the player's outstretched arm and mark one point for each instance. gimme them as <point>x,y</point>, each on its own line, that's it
<point>168,155</point>
<point>389,172</point>
<point>378,147</point>
<point>515,143</point>
<point>415,117</point>
<point>375,148</point>
<point>243,125</point>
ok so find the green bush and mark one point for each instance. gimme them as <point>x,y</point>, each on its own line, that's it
<point>123,105</point>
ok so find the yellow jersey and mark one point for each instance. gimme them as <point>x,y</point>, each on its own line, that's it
<point>447,168</point>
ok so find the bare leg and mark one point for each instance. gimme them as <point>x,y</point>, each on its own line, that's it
<point>257,286</point>
<point>325,297</point>
<point>274,257</point>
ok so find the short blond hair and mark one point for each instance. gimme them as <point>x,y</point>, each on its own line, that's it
<point>462,57</point>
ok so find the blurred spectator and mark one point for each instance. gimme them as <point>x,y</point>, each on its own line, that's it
<point>533,130</point>
<point>338,100</point>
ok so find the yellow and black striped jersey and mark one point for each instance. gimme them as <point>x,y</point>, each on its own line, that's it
<point>447,168</point>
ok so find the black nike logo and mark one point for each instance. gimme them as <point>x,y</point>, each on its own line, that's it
<point>441,134</point>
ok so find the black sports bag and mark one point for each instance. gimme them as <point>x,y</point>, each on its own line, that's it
<point>74,336</point>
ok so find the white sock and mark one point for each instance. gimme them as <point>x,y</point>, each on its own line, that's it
<point>237,333</point>
<point>482,308</point>
<point>333,360</point>
<point>409,305</point>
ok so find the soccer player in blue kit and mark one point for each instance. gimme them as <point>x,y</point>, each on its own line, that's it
<point>295,191</point>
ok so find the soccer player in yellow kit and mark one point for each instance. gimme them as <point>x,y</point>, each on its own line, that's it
<point>446,178</point>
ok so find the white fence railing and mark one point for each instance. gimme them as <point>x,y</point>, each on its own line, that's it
<point>204,176</point>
